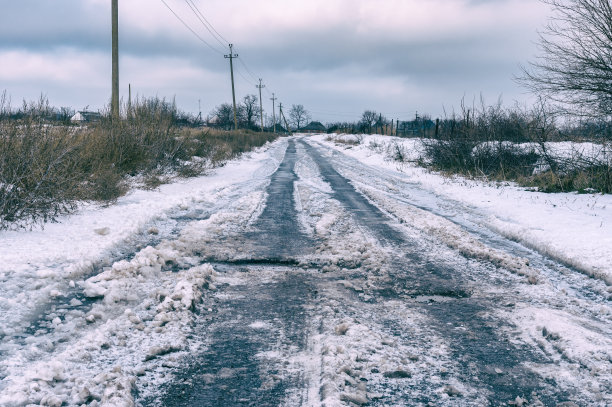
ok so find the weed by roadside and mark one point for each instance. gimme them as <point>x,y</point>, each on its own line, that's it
<point>46,169</point>
<point>521,146</point>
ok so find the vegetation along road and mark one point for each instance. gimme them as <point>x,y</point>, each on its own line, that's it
<point>314,280</point>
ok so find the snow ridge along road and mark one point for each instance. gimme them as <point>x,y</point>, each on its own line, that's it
<point>316,281</point>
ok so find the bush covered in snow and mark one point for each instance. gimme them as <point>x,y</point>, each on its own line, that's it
<point>525,146</point>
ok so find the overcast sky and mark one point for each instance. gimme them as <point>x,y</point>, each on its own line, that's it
<point>336,57</point>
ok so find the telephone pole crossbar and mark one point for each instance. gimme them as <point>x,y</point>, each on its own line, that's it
<point>231,57</point>
<point>260,87</point>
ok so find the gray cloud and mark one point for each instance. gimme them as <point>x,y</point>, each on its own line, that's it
<point>431,63</point>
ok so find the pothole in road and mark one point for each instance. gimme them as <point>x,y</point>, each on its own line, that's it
<point>268,262</point>
<point>440,295</point>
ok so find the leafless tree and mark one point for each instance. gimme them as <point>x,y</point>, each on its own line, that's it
<point>224,116</point>
<point>368,119</point>
<point>298,116</point>
<point>250,103</point>
<point>575,65</point>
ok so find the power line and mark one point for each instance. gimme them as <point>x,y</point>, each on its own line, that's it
<point>210,24</point>
<point>215,34</point>
<point>248,70</point>
<point>191,29</point>
<point>247,80</point>
<point>200,17</point>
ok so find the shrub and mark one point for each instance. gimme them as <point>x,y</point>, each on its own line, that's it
<point>46,169</point>
<point>39,171</point>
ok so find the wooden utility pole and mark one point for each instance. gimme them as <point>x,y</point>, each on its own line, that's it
<point>260,87</point>
<point>231,57</point>
<point>280,109</point>
<point>129,106</point>
<point>273,99</point>
<point>280,112</point>
<point>115,76</point>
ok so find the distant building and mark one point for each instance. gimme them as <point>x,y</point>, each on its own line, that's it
<point>313,127</point>
<point>86,117</point>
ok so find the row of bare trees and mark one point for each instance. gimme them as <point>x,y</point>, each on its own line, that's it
<point>248,114</point>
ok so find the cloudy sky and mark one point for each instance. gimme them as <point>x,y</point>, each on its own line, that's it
<point>336,57</point>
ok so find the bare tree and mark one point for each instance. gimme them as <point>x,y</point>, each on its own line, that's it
<point>224,116</point>
<point>298,116</point>
<point>575,67</point>
<point>250,104</point>
<point>368,119</point>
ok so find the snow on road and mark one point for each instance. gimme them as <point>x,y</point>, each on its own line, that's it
<point>312,273</point>
<point>59,344</point>
<point>573,228</point>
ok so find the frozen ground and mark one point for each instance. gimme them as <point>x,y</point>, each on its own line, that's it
<point>309,273</point>
<point>573,228</point>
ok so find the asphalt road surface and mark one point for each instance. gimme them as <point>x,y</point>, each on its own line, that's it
<point>342,286</point>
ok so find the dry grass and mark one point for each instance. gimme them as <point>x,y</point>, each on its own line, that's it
<point>45,170</point>
<point>485,143</point>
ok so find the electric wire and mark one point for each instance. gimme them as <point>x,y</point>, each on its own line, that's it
<point>191,29</point>
<point>209,23</point>
<point>217,36</point>
<point>204,22</point>
<point>248,70</point>
<point>247,80</point>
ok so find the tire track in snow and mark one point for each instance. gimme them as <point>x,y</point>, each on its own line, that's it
<point>258,324</point>
<point>488,361</point>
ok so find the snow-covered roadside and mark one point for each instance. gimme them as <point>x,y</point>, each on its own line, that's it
<point>95,358</point>
<point>573,228</point>
<point>84,236</point>
<point>39,264</point>
<point>72,333</point>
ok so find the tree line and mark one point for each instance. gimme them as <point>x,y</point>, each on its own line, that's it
<point>247,113</point>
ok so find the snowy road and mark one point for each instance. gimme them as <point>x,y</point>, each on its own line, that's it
<point>317,281</point>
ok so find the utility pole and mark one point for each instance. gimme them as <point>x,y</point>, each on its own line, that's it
<point>280,113</point>
<point>231,57</point>
<point>129,106</point>
<point>280,108</point>
<point>260,87</point>
<point>273,99</point>
<point>115,75</point>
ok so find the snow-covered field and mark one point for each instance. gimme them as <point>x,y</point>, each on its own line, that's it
<point>573,228</point>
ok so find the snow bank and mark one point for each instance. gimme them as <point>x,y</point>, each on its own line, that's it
<point>75,332</point>
<point>568,155</point>
<point>572,342</point>
<point>573,228</point>
<point>144,314</point>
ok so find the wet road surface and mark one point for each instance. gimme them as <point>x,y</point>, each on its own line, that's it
<point>333,301</point>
